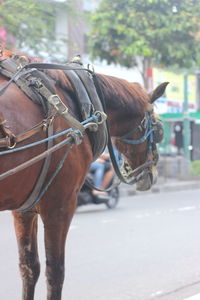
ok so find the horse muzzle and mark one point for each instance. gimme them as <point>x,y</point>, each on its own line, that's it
<point>148,179</point>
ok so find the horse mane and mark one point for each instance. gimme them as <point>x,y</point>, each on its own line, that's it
<point>123,95</point>
<point>118,93</point>
<point>61,79</point>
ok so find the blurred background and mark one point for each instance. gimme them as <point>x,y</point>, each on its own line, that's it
<point>147,41</point>
<point>148,247</point>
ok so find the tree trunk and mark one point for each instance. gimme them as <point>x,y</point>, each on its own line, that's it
<point>198,90</point>
<point>147,73</point>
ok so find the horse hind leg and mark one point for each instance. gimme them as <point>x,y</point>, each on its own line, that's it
<point>26,233</point>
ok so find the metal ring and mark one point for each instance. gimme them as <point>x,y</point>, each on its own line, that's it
<point>90,67</point>
<point>11,146</point>
<point>101,116</point>
<point>91,125</point>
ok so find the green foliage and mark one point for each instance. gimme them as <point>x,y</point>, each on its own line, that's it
<point>195,167</point>
<point>31,24</point>
<point>166,30</point>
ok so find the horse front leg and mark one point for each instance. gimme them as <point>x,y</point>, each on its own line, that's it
<point>56,226</point>
<point>26,233</point>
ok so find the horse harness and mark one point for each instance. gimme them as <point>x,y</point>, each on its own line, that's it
<point>40,89</point>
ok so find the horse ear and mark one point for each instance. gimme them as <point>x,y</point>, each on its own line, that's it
<point>158,92</point>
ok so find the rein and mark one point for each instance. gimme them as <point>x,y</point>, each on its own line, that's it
<point>74,137</point>
<point>54,136</point>
<point>31,203</point>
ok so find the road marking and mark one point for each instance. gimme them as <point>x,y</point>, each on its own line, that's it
<point>195,297</point>
<point>105,221</point>
<point>186,208</point>
<point>145,215</point>
<point>156,294</point>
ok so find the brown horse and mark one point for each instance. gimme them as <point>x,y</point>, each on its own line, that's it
<point>127,105</point>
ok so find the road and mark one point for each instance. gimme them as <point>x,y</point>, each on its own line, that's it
<point>148,248</point>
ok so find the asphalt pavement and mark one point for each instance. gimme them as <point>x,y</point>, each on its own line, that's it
<point>146,249</point>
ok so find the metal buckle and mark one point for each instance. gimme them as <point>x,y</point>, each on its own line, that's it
<point>58,104</point>
<point>90,67</point>
<point>23,60</point>
<point>76,135</point>
<point>144,122</point>
<point>1,51</point>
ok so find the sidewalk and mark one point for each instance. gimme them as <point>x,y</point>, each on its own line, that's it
<point>173,184</point>
<point>164,185</point>
<point>173,176</point>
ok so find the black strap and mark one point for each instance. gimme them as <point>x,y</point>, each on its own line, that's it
<point>30,201</point>
<point>17,75</point>
<point>50,66</point>
<point>44,66</point>
<point>109,188</point>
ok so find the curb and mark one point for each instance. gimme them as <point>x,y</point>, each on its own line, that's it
<point>176,186</point>
<point>161,188</point>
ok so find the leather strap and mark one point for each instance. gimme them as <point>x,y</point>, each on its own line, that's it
<point>99,138</point>
<point>30,162</point>
<point>6,142</point>
<point>108,189</point>
<point>40,181</point>
<point>84,102</point>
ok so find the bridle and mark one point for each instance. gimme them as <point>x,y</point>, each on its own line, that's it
<point>123,173</point>
<point>148,126</point>
<point>148,123</point>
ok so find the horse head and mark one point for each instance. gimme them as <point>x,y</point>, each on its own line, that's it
<point>139,144</point>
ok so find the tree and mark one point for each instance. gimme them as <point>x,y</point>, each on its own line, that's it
<point>163,31</point>
<point>30,24</point>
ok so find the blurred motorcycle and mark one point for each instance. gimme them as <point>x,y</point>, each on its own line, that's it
<point>86,196</point>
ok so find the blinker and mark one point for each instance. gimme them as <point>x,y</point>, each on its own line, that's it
<point>158,131</point>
